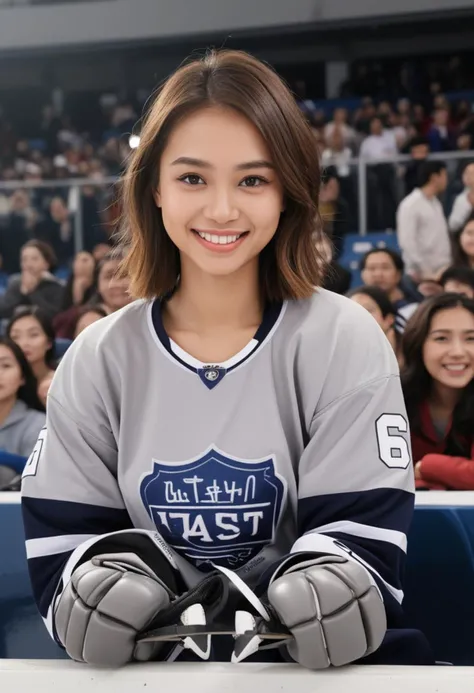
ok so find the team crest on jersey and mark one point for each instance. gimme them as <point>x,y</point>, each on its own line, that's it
<point>215,508</point>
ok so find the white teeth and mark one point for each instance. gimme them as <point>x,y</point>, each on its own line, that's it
<point>218,240</point>
<point>456,367</point>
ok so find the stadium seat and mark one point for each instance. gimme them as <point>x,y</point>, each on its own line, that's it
<point>61,345</point>
<point>439,581</point>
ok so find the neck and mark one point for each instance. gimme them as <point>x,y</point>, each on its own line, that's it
<point>396,294</point>
<point>6,406</point>
<point>204,302</point>
<point>444,398</point>
<point>40,370</point>
<point>428,191</point>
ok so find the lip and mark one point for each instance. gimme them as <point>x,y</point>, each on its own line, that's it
<point>217,248</point>
<point>457,373</point>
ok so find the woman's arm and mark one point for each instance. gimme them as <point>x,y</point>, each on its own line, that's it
<point>453,472</point>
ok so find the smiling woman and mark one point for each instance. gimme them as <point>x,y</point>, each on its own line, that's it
<point>238,425</point>
<point>438,382</point>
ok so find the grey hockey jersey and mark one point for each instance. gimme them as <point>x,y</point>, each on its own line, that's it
<point>299,443</point>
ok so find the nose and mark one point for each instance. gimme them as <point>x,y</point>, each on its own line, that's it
<point>221,207</point>
<point>457,348</point>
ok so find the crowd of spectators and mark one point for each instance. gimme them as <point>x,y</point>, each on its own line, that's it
<point>422,297</point>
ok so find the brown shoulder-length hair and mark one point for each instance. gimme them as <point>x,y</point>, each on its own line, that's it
<point>417,382</point>
<point>291,265</point>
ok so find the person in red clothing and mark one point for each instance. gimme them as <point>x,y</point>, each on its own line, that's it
<point>438,384</point>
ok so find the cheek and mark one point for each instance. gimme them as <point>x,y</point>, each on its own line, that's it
<point>432,358</point>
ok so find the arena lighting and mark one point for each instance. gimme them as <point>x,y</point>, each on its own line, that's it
<point>134,141</point>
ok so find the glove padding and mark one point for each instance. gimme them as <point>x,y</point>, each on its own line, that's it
<point>107,601</point>
<point>333,610</point>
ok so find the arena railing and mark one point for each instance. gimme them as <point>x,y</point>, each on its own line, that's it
<point>355,186</point>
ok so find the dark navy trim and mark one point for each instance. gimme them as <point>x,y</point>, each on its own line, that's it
<point>45,573</point>
<point>386,508</point>
<point>270,316</point>
<point>50,518</point>
<point>387,559</point>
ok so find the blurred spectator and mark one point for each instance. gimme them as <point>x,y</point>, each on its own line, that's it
<point>422,229</point>
<point>334,210</point>
<point>35,286</point>
<point>381,203</point>
<point>440,136</point>
<point>43,388</point>
<point>79,290</point>
<point>380,144</point>
<point>463,206</point>
<point>86,316</point>
<point>16,230</point>
<point>112,288</point>
<point>21,413</point>
<point>463,245</point>
<point>32,330</point>
<point>429,287</point>
<point>438,384</point>
<point>418,149</point>
<point>378,304</point>
<point>458,280</point>
<point>383,268</point>
<point>58,230</point>
<point>340,124</point>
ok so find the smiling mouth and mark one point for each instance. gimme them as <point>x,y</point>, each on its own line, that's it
<point>220,239</point>
<point>456,368</point>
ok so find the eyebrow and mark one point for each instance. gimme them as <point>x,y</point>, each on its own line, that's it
<point>449,331</point>
<point>245,166</point>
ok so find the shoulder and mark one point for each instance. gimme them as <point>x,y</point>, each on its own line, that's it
<point>14,280</point>
<point>104,349</point>
<point>410,200</point>
<point>34,417</point>
<point>336,336</point>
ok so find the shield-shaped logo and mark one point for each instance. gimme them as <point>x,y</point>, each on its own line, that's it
<point>215,507</point>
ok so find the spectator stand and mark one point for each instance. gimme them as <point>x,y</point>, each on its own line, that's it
<point>356,246</point>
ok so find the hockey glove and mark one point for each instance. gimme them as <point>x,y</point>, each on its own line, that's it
<point>333,610</point>
<point>107,601</point>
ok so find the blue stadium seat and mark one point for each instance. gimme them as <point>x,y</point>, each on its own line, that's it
<point>439,581</point>
<point>61,345</point>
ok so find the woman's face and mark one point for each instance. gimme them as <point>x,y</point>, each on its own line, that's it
<point>84,265</point>
<point>11,377</point>
<point>220,196</point>
<point>114,290</point>
<point>32,261</point>
<point>31,338</point>
<point>373,308</point>
<point>467,239</point>
<point>85,320</point>
<point>448,352</point>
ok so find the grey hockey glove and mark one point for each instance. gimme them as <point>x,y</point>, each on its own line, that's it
<point>107,601</point>
<point>333,610</point>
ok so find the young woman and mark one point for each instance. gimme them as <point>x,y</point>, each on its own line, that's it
<point>35,286</point>
<point>86,316</point>
<point>80,288</point>
<point>377,303</point>
<point>438,382</point>
<point>21,413</point>
<point>32,330</point>
<point>463,245</point>
<point>220,425</point>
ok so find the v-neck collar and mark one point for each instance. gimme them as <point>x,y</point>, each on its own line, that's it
<point>211,374</point>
